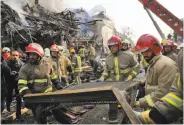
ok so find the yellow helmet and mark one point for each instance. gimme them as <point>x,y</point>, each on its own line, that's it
<point>72,50</point>
<point>164,42</point>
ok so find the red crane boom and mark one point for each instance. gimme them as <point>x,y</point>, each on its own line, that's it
<point>165,15</point>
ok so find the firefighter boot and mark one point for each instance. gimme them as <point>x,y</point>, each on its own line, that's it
<point>113,112</point>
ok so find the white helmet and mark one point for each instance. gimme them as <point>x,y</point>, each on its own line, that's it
<point>61,48</point>
<point>6,49</point>
<point>47,52</point>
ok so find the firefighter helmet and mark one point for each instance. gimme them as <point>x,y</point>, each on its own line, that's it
<point>6,49</point>
<point>54,48</point>
<point>72,50</point>
<point>146,42</point>
<point>61,48</point>
<point>168,43</point>
<point>35,48</point>
<point>126,42</point>
<point>114,40</point>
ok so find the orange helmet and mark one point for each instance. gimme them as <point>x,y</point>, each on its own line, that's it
<point>114,40</point>
<point>147,41</point>
<point>54,48</point>
<point>35,48</point>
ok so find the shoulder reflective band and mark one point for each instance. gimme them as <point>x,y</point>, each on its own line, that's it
<point>38,81</point>
<point>21,81</point>
<point>116,68</point>
<point>174,100</point>
<point>149,100</point>
<point>179,84</point>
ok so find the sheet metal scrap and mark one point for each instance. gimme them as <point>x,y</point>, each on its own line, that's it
<point>87,93</point>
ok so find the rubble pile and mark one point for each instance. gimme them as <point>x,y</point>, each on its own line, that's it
<point>40,25</point>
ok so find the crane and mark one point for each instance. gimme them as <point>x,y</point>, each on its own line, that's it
<point>165,15</point>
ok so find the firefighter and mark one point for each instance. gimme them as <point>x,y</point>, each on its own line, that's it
<point>120,66</point>
<point>170,108</point>
<point>76,66</point>
<point>37,76</point>
<point>92,52</point>
<point>160,73</point>
<point>168,49</point>
<point>57,63</point>
<point>125,45</point>
<point>83,53</point>
<point>97,68</point>
<point>67,65</point>
<point>6,53</point>
<point>13,66</point>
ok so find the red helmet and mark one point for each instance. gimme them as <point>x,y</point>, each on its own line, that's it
<point>147,41</point>
<point>35,48</point>
<point>168,43</point>
<point>54,48</point>
<point>114,40</point>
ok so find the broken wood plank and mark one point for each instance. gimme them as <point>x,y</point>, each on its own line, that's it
<point>126,107</point>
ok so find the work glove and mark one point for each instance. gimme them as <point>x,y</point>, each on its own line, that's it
<point>144,117</point>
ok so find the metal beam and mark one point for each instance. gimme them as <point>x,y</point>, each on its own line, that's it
<point>72,96</point>
<point>126,107</point>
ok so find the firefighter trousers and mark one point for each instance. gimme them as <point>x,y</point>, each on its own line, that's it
<point>77,78</point>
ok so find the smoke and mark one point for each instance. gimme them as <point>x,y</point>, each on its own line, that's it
<point>54,5</point>
<point>97,9</point>
<point>17,6</point>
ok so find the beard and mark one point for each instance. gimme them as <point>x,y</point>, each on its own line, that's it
<point>149,58</point>
<point>166,52</point>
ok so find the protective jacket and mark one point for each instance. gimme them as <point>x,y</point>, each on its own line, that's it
<point>120,67</point>
<point>92,53</point>
<point>159,78</point>
<point>171,105</point>
<point>172,56</point>
<point>82,52</point>
<point>37,78</point>
<point>65,61</point>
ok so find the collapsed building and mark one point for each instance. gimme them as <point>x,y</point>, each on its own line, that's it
<point>36,24</point>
